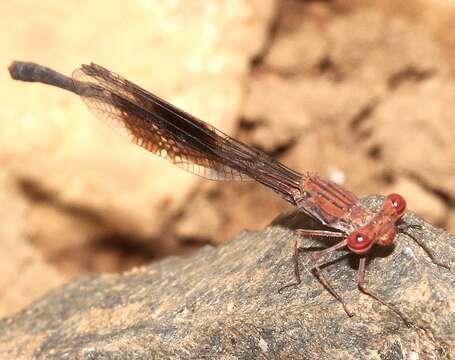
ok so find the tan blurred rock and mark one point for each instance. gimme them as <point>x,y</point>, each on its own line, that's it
<point>190,226</point>
<point>435,16</point>
<point>80,183</point>
<point>300,50</point>
<point>198,65</point>
<point>24,274</point>
<point>363,45</point>
<point>291,108</point>
<point>414,127</point>
<point>276,110</point>
<point>450,224</point>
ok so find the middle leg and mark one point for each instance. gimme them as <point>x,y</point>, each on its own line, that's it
<point>297,249</point>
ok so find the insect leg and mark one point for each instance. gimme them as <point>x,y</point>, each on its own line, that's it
<point>404,228</point>
<point>362,288</point>
<point>323,280</point>
<point>297,249</point>
<point>296,268</point>
<point>315,269</point>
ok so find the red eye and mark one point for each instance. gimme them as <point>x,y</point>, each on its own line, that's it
<point>359,243</point>
<point>398,202</point>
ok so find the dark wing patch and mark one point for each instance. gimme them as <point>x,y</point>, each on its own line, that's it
<point>127,109</point>
<point>149,121</point>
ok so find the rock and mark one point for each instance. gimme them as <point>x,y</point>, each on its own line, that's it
<point>451,221</point>
<point>432,127</point>
<point>223,303</point>
<point>20,261</point>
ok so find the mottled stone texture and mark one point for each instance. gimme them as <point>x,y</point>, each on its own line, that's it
<point>223,303</point>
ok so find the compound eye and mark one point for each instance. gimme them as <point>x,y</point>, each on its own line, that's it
<point>398,202</point>
<point>359,243</point>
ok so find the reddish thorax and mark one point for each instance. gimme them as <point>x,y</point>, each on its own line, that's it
<point>332,204</point>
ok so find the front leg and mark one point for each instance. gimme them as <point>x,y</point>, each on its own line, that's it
<point>362,288</point>
<point>325,282</point>
<point>315,257</point>
<point>297,249</point>
<point>406,229</point>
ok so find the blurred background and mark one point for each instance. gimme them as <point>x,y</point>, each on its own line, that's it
<point>361,92</point>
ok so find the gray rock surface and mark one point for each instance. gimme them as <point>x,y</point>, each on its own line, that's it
<point>222,303</point>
